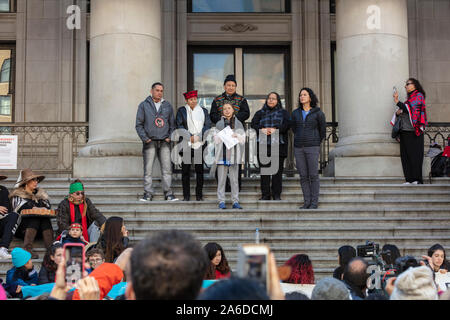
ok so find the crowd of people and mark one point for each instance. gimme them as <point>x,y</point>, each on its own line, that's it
<point>193,125</point>
<point>173,265</point>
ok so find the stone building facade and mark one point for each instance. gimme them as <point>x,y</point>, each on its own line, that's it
<point>94,61</point>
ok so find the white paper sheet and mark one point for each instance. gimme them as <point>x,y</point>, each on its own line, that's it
<point>226,135</point>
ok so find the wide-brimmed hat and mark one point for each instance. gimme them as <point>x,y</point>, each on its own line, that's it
<point>27,175</point>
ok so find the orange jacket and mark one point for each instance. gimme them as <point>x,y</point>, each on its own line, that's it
<point>107,275</point>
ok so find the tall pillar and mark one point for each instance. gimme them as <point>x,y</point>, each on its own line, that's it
<point>125,59</point>
<point>372,57</point>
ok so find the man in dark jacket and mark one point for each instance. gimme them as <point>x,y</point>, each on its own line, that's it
<point>239,103</point>
<point>355,278</point>
<point>8,222</point>
<point>155,123</point>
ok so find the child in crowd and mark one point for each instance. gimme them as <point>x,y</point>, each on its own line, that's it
<point>52,258</point>
<point>75,235</point>
<point>22,274</point>
<point>94,257</point>
<point>229,160</point>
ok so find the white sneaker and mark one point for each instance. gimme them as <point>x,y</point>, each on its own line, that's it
<point>406,183</point>
<point>4,253</point>
<point>415,182</point>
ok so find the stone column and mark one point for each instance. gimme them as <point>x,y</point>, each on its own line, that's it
<point>372,57</point>
<point>125,59</point>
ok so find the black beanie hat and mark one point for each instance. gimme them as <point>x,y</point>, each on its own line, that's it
<point>230,77</point>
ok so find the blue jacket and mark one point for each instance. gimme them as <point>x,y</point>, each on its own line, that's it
<point>11,283</point>
<point>312,131</point>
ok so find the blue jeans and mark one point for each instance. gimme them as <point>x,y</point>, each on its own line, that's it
<point>160,149</point>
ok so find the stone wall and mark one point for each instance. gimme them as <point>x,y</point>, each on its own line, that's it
<point>429,58</point>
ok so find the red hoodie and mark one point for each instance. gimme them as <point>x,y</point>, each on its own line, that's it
<point>107,276</point>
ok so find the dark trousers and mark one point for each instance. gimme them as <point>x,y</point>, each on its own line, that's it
<point>8,227</point>
<point>273,189</point>
<point>186,175</point>
<point>307,162</point>
<point>411,153</point>
<point>37,223</point>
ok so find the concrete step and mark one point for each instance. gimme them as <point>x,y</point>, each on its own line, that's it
<point>286,221</point>
<point>127,205</point>
<point>292,213</point>
<point>96,196</point>
<point>176,181</point>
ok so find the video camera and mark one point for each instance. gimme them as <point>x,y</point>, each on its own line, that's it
<point>379,271</point>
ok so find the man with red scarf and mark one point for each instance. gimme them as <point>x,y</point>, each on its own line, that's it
<point>76,208</point>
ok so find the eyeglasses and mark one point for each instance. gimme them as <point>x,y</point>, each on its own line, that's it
<point>79,193</point>
<point>408,83</point>
<point>95,261</point>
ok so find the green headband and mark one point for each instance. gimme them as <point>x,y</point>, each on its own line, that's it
<point>76,186</point>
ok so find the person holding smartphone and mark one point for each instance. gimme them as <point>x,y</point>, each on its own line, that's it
<point>414,119</point>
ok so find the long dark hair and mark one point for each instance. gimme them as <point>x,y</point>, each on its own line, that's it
<point>393,254</point>
<point>211,249</point>
<point>301,269</point>
<point>47,262</point>
<point>312,95</point>
<point>418,86</point>
<point>445,264</point>
<point>279,105</point>
<point>112,236</point>
<point>346,253</point>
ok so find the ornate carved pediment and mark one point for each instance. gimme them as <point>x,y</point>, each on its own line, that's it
<point>238,27</point>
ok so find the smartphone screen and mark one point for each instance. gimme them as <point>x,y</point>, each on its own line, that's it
<point>253,263</point>
<point>74,256</point>
<point>256,268</point>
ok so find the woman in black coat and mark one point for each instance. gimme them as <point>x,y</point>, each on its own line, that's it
<point>309,126</point>
<point>195,120</point>
<point>266,121</point>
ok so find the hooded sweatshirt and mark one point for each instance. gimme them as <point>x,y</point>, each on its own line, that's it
<point>107,275</point>
<point>152,123</point>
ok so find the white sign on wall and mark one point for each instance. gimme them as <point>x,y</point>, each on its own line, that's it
<point>8,152</point>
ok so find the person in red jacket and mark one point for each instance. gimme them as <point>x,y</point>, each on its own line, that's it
<point>219,263</point>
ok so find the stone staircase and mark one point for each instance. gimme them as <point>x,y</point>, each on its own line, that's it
<point>352,210</point>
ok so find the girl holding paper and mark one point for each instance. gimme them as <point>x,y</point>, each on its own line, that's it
<point>228,160</point>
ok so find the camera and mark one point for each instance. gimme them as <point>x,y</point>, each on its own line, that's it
<point>404,263</point>
<point>379,271</point>
<point>370,249</point>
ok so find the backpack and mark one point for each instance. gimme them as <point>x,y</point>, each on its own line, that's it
<point>440,166</point>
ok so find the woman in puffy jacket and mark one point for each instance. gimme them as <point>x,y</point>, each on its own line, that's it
<point>309,126</point>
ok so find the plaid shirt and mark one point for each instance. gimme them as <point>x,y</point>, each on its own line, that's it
<point>417,111</point>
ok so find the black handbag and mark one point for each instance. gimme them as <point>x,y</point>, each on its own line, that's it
<point>396,128</point>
